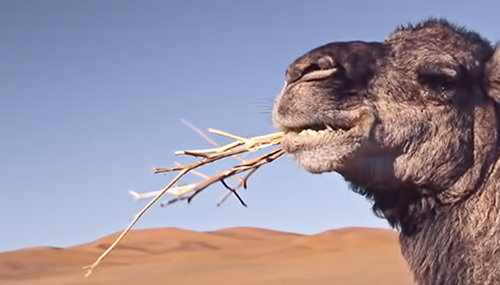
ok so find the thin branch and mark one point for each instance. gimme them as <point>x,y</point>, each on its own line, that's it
<point>245,178</point>
<point>211,150</point>
<point>198,131</point>
<point>261,160</point>
<point>208,156</point>
<point>134,221</point>
<point>194,171</point>
<point>224,199</point>
<point>203,135</point>
<point>234,192</point>
<point>243,183</point>
<point>229,135</point>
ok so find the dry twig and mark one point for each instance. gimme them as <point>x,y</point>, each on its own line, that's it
<point>241,145</point>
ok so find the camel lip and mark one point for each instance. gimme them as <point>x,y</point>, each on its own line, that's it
<point>326,126</point>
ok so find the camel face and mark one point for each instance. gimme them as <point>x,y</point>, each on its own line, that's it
<point>396,112</point>
<point>323,107</point>
<point>413,123</point>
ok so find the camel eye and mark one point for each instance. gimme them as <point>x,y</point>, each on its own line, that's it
<point>438,82</point>
<point>447,85</point>
<point>439,78</point>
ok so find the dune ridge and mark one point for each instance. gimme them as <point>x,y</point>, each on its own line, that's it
<point>229,256</point>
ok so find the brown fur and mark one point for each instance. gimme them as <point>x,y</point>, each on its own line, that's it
<point>421,118</point>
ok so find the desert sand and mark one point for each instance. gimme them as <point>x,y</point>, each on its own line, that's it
<point>235,256</point>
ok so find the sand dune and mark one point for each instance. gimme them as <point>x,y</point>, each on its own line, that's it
<point>234,256</point>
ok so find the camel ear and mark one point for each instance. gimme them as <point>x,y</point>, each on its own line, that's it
<point>493,75</point>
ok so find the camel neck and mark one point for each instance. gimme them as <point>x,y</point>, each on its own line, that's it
<point>452,238</point>
<point>459,245</point>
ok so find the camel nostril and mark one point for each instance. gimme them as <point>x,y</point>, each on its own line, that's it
<point>325,62</point>
<point>292,74</point>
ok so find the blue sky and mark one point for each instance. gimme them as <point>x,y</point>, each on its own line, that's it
<point>92,94</point>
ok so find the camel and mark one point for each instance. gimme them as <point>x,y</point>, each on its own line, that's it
<point>412,123</point>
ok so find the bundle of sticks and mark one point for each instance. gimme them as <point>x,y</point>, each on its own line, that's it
<point>245,168</point>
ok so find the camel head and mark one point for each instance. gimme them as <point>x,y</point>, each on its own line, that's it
<point>413,116</point>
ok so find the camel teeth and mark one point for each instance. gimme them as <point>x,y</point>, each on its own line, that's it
<point>311,132</point>
<point>329,128</point>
